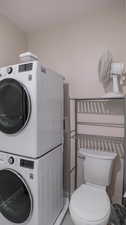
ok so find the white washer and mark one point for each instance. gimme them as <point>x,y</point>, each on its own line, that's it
<point>31,191</point>
<point>31,109</point>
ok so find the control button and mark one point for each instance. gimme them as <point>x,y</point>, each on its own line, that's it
<point>31,176</point>
<point>11,160</point>
<point>9,70</point>
<point>29,77</point>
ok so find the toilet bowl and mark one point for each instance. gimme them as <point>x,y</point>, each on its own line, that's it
<point>90,205</point>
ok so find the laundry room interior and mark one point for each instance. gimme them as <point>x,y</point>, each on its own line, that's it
<point>76,112</point>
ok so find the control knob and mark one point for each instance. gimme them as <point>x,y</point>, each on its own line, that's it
<point>9,70</point>
<point>11,160</point>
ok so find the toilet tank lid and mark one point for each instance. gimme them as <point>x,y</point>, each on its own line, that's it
<point>90,203</point>
<point>97,154</point>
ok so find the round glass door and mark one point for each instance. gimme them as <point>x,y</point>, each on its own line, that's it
<point>15,198</point>
<point>14,106</point>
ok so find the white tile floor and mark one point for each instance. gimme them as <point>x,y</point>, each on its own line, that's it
<point>67,220</point>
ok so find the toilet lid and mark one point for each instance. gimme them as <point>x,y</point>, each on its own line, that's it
<point>90,203</point>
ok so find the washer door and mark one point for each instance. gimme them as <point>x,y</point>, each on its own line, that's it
<point>14,106</point>
<point>15,197</point>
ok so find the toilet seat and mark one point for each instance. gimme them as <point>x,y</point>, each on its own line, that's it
<point>90,203</point>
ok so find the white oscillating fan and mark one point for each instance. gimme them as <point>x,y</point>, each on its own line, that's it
<point>109,70</point>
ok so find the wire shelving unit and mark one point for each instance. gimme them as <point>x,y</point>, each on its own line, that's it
<point>100,107</point>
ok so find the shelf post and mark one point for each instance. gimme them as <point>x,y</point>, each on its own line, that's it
<point>124,176</point>
<point>76,143</point>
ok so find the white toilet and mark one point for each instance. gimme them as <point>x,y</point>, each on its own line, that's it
<point>90,204</point>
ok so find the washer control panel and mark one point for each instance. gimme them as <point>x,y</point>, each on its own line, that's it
<point>14,161</point>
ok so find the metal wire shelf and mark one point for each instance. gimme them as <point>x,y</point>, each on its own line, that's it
<point>102,143</point>
<point>101,106</point>
<point>116,125</point>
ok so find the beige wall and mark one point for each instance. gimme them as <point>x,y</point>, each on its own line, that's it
<point>12,42</point>
<point>74,49</point>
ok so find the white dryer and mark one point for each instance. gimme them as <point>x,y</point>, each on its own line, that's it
<point>31,190</point>
<point>31,109</point>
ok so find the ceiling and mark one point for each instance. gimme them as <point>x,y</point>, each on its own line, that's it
<point>32,15</point>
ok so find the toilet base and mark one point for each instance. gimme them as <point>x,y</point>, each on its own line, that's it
<point>78,221</point>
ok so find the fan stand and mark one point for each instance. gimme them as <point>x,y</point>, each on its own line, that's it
<point>116,92</point>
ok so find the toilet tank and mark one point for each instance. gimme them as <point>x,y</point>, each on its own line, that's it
<point>97,166</point>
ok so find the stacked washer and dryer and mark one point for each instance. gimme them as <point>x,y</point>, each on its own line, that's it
<point>31,145</point>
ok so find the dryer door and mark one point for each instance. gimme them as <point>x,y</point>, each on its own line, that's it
<point>15,197</point>
<point>14,106</point>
